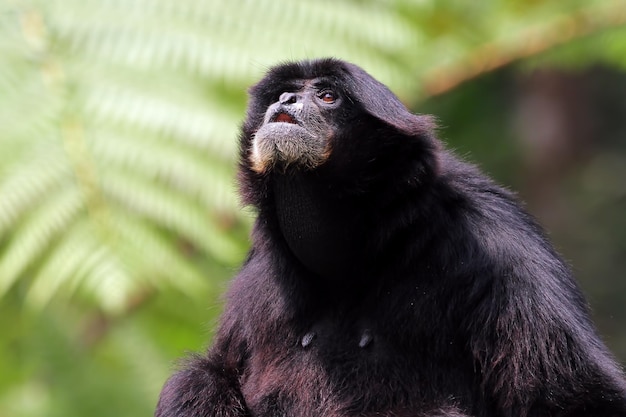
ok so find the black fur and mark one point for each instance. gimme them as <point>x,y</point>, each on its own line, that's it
<point>392,280</point>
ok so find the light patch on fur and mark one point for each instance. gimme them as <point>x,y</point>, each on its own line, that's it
<point>287,144</point>
<point>258,162</point>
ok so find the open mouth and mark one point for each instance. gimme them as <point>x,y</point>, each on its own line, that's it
<point>284,118</point>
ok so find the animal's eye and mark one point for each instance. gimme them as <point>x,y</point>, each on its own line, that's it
<point>327,96</point>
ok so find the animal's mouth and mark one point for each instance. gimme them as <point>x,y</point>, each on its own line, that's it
<point>282,117</point>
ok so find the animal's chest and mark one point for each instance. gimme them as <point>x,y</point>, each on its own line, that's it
<point>332,368</point>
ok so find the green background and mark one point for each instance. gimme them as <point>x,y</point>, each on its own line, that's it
<point>119,219</point>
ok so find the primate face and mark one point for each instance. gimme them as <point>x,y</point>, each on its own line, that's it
<point>297,127</point>
<point>326,112</point>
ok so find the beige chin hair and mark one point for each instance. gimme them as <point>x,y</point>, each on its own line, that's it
<point>260,160</point>
<point>265,155</point>
<point>287,144</point>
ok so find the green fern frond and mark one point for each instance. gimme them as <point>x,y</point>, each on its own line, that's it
<point>119,119</point>
<point>149,254</point>
<point>35,233</point>
<point>197,123</point>
<point>155,202</point>
<point>186,170</point>
<point>80,259</point>
<point>27,180</point>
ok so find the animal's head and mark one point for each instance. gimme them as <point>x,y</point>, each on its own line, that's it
<point>325,115</point>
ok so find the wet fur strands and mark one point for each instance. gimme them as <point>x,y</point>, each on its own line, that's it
<point>386,277</point>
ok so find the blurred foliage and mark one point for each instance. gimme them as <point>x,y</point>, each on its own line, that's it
<point>119,221</point>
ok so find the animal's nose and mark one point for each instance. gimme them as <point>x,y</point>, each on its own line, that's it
<point>288,98</point>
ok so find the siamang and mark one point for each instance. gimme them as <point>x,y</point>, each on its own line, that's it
<point>387,277</point>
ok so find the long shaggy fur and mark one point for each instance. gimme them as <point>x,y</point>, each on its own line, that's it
<point>392,280</point>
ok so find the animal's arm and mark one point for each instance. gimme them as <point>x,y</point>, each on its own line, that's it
<point>209,385</point>
<point>205,387</point>
<point>531,333</point>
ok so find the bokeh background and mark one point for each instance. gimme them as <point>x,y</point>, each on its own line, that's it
<point>119,219</point>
